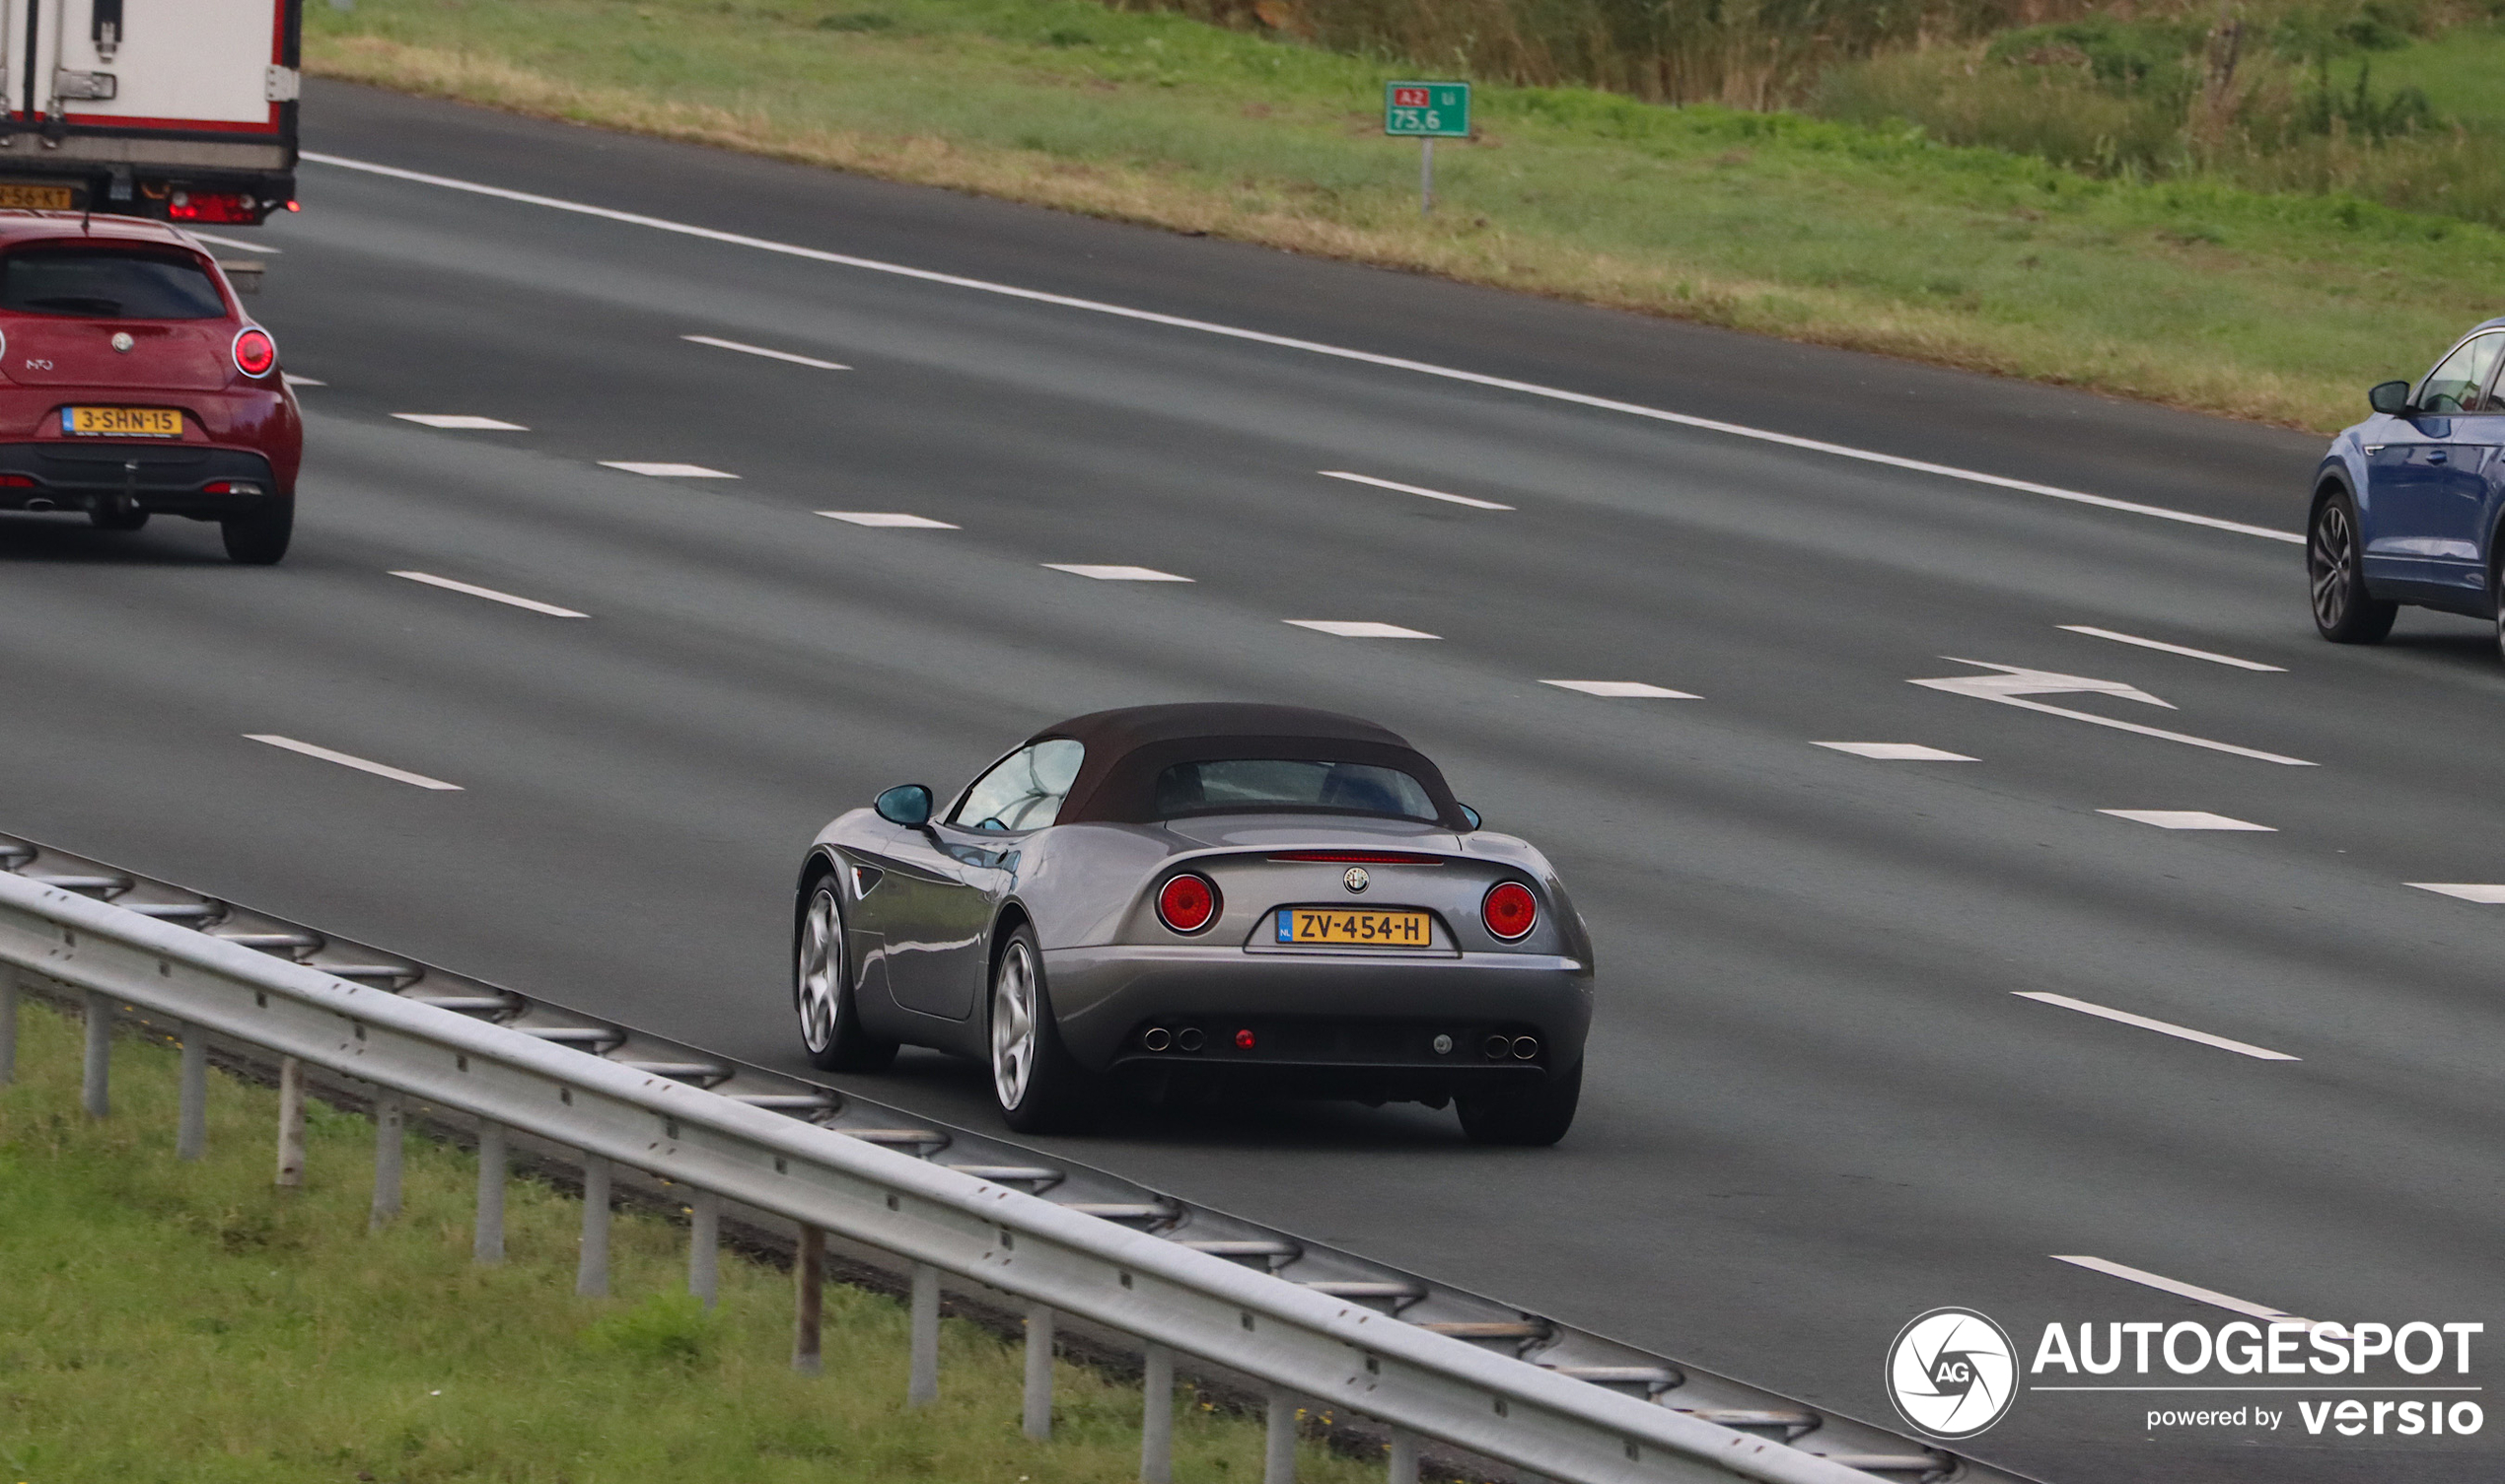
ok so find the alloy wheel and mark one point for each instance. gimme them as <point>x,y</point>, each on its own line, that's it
<point>2334,558</point>
<point>819,994</point>
<point>1012,1026</point>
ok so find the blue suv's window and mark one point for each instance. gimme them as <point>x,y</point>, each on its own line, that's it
<point>2461,382</point>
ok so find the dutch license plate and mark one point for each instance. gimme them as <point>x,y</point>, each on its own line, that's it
<point>1382,930</point>
<point>15,196</point>
<point>122,422</point>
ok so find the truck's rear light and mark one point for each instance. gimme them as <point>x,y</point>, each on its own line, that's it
<point>1187,902</point>
<point>211,206</point>
<point>255,351</point>
<point>1509,910</point>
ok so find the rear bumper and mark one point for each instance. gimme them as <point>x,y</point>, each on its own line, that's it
<point>169,479</point>
<point>1321,1018</point>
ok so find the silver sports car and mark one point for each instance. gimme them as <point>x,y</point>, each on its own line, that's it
<point>1184,902</point>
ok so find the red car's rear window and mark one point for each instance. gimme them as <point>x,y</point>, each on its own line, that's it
<point>107,283</point>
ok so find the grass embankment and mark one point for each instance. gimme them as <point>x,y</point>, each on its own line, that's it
<point>165,1321</point>
<point>2276,308</point>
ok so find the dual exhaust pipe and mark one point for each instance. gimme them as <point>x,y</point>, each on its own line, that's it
<point>1159,1038</point>
<point>1518,1047</point>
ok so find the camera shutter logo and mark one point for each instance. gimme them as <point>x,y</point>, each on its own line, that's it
<point>1952,1372</point>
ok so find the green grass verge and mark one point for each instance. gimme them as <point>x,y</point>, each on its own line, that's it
<point>184,1322</point>
<point>2281,308</point>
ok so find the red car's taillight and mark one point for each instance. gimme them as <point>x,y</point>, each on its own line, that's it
<point>1188,903</point>
<point>255,351</point>
<point>1509,910</point>
<point>232,206</point>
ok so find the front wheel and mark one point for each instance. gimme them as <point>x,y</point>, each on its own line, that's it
<point>2344,612</point>
<point>260,538</point>
<point>1035,1083</point>
<point>831,1028</point>
<point>1533,1118</point>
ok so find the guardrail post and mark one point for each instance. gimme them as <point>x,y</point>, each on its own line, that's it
<point>8,1027</point>
<point>1278,1443</point>
<point>808,1277</point>
<point>191,1119</point>
<point>388,1123</point>
<point>290,1123</point>
<point>1404,1457</point>
<point>921,1389</point>
<point>591,1277</point>
<point>704,1246</point>
<point>1157,1415</point>
<point>94,1088</point>
<point>488,1248</point>
<point>1038,1372</point>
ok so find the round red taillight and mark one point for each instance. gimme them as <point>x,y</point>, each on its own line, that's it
<point>1509,910</point>
<point>1188,903</point>
<point>255,351</point>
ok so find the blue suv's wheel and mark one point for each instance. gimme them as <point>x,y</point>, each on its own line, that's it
<point>2344,610</point>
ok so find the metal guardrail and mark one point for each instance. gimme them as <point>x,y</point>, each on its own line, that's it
<point>1308,1320</point>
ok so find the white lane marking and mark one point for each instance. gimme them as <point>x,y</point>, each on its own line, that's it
<point>1312,347</point>
<point>771,355</point>
<point>2209,1296</point>
<point>293,379</point>
<point>459,420</point>
<point>2173,649</point>
<point>1347,628</point>
<point>2477,892</point>
<point>2187,818</point>
<point>2013,685</point>
<point>1471,501</point>
<point>1118,574</point>
<point>1632,689</point>
<point>344,761</point>
<point>888,519</point>
<point>236,241</point>
<point>490,594</point>
<point>2161,1028</point>
<point>666,471</point>
<point>1896,751</point>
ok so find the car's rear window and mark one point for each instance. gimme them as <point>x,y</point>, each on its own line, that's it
<point>107,283</point>
<point>1247,783</point>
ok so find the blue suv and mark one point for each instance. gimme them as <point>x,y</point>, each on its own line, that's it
<point>2406,504</point>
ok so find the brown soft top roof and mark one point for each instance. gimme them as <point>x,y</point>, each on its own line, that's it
<point>1128,747</point>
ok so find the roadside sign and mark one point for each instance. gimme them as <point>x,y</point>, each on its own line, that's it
<point>1426,110</point>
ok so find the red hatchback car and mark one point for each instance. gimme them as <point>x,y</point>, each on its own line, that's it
<point>132,384</point>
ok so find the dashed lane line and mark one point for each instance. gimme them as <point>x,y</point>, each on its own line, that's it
<point>1473,501</point>
<point>236,241</point>
<point>348,760</point>
<point>666,471</point>
<point>293,379</point>
<point>1117,574</point>
<point>491,595</point>
<point>2485,894</point>
<point>1630,689</point>
<point>759,350</point>
<point>888,519</point>
<point>2161,1028</point>
<point>1348,628</point>
<point>1312,347</point>
<point>1896,751</point>
<point>2093,632</point>
<point>2187,818</point>
<point>2180,1289</point>
<point>461,420</point>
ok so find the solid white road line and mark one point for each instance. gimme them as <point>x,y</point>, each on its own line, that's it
<point>344,761</point>
<point>2187,818</point>
<point>293,379</point>
<point>666,471</point>
<point>1347,628</point>
<point>2172,649</point>
<point>2180,1289</point>
<point>1411,489</point>
<point>1313,347</point>
<point>459,420</point>
<point>1118,574</point>
<point>888,519</point>
<point>771,355</point>
<point>2477,892</point>
<point>2161,1028</point>
<point>1637,689</point>
<point>1896,751</point>
<point>490,594</point>
<point>236,241</point>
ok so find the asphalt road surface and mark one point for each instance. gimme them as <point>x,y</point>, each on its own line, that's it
<point>1821,1101</point>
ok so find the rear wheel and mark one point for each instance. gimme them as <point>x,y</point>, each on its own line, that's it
<point>116,518</point>
<point>1532,1117</point>
<point>260,538</point>
<point>1035,1083</point>
<point>831,1028</point>
<point>2344,612</point>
